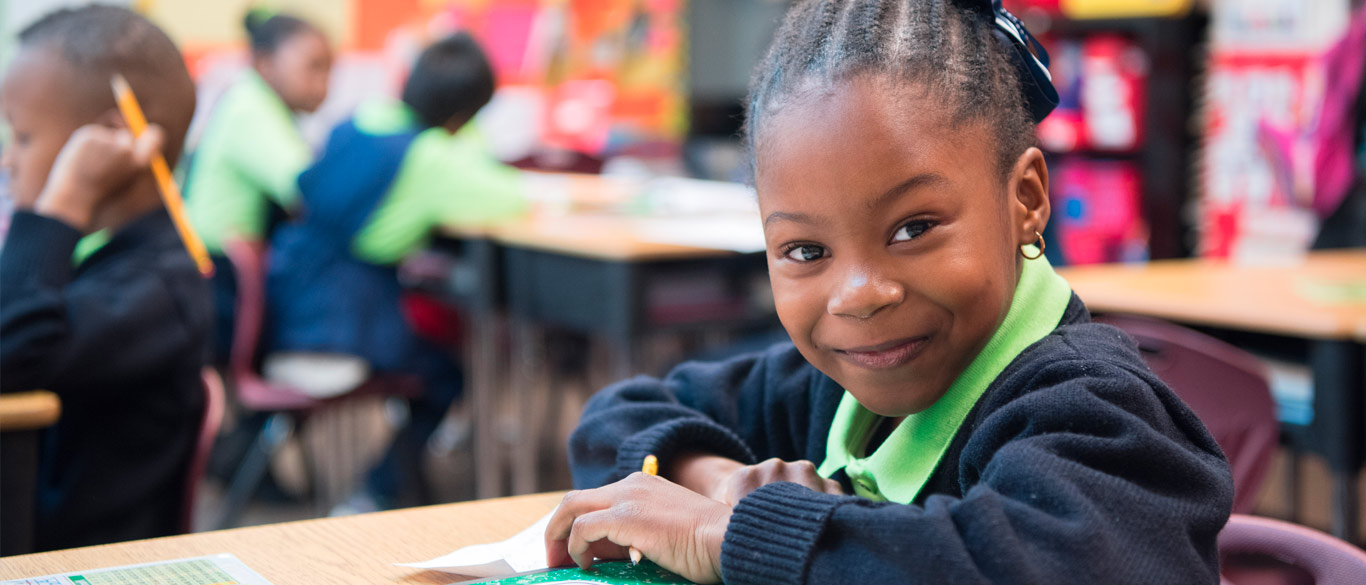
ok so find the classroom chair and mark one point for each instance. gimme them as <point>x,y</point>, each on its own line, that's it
<point>1225,386</point>
<point>289,407</point>
<point>1262,551</point>
<point>23,417</point>
<point>199,460</point>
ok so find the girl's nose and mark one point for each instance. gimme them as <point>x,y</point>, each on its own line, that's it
<point>862,294</point>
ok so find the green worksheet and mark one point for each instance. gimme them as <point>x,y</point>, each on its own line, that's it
<point>613,573</point>
<point>222,569</point>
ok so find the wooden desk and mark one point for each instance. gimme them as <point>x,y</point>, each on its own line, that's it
<point>22,418</point>
<point>593,236</point>
<point>1265,299</point>
<point>589,274</point>
<point>356,549</point>
<point>1269,300</point>
<point>588,270</point>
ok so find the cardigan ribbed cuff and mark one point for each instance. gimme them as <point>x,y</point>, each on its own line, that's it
<point>38,249</point>
<point>772,533</point>
<point>691,435</point>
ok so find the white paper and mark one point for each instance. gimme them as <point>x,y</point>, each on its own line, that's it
<point>521,553</point>
<point>741,233</point>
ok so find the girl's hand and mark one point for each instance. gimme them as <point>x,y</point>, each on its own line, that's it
<point>96,162</point>
<point>669,524</point>
<point>729,481</point>
<point>752,477</point>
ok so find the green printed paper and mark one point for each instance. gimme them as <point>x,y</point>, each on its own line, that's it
<point>614,573</point>
<point>1333,292</point>
<point>192,572</point>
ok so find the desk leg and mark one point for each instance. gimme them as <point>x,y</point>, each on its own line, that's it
<point>529,412</point>
<point>624,356</point>
<point>488,465</point>
<point>1339,389</point>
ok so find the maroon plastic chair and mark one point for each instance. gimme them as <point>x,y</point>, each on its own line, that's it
<point>1324,560</point>
<point>289,407</point>
<point>1224,385</point>
<point>199,460</point>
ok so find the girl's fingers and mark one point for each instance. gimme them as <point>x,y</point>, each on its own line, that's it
<point>575,504</point>
<point>594,533</point>
<point>607,550</point>
<point>562,521</point>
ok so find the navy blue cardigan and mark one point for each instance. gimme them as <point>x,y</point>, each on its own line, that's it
<point>121,340</point>
<point>1076,466</point>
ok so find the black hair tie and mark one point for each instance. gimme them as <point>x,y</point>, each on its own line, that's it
<point>1030,58</point>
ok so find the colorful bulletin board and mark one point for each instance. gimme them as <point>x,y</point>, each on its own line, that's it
<point>1265,79</point>
<point>594,76</point>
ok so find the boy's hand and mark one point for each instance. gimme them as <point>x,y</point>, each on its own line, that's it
<point>95,162</point>
<point>669,524</point>
<point>730,481</point>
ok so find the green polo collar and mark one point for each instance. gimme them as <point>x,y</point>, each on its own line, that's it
<point>88,245</point>
<point>385,117</point>
<point>899,468</point>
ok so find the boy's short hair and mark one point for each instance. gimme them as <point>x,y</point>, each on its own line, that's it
<point>99,41</point>
<point>451,80</point>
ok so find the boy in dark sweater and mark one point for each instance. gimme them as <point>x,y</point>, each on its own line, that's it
<point>115,324</point>
<point>946,412</point>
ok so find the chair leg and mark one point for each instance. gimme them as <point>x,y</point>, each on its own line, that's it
<point>247,479</point>
<point>1292,485</point>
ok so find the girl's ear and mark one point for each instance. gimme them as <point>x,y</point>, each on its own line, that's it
<point>1029,208</point>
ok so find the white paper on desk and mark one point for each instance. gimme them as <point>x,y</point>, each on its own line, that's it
<point>742,233</point>
<point>521,553</point>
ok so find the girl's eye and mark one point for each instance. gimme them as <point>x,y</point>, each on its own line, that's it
<point>805,253</point>
<point>911,231</point>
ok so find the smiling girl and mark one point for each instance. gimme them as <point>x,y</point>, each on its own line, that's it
<point>946,412</point>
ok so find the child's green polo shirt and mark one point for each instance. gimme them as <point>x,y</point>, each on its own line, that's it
<point>444,179</point>
<point>251,152</point>
<point>898,469</point>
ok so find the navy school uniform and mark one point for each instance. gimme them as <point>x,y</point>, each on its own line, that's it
<point>1076,465</point>
<point>322,298</point>
<point>121,339</point>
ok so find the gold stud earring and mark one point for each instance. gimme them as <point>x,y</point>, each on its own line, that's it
<point>1042,246</point>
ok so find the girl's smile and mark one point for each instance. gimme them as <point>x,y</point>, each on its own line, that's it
<point>893,235</point>
<point>883,356</point>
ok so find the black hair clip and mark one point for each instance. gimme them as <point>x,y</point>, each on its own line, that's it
<point>1031,61</point>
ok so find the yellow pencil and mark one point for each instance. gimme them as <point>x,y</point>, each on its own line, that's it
<point>649,467</point>
<point>170,194</point>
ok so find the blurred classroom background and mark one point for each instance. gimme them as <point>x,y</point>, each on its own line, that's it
<point>1215,148</point>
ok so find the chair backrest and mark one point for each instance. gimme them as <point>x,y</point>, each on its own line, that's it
<point>1328,560</point>
<point>1225,386</point>
<point>252,391</point>
<point>248,262</point>
<point>214,401</point>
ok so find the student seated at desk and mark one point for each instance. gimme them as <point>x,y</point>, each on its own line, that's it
<point>243,177</point>
<point>946,412</point>
<point>116,324</point>
<point>386,179</point>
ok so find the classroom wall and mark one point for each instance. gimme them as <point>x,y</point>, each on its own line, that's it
<point>587,75</point>
<point>199,26</point>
